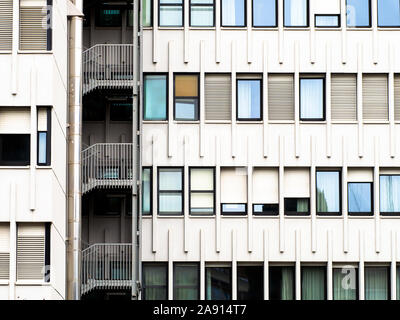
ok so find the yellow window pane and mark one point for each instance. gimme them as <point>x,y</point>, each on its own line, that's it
<point>186,86</point>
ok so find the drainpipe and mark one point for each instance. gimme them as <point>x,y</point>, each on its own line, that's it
<point>74,150</point>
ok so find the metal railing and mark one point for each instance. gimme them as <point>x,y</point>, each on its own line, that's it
<point>107,66</point>
<point>106,266</point>
<point>107,165</point>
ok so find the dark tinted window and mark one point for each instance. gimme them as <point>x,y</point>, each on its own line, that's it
<point>218,283</point>
<point>121,111</point>
<point>250,282</point>
<point>281,283</point>
<point>94,108</point>
<point>14,149</point>
<point>108,17</point>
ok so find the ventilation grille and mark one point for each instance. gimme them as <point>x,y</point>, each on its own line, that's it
<point>33,30</point>
<point>344,97</point>
<point>375,97</point>
<point>397,97</point>
<point>280,97</point>
<point>218,97</point>
<point>6,24</point>
<point>30,257</point>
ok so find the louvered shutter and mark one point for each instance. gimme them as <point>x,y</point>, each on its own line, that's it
<point>280,97</point>
<point>218,96</point>
<point>233,185</point>
<point>397,97</point>
<point>15,120</point>
<point>375,97</point>
<point>30,251</point>
<point>6,24</point>
<point>4,251</point>
<point>33,25</point>
<point>344,97</point>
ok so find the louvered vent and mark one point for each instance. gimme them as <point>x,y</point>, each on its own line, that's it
<point>280,97</point>
<point>375,97</point>
<point>33,30</point>
<point>344,97</point>
<point>31,252</point>
<point>397,97</point>
<point>218,97</point>
<point>6,24</point>
<point>4,251</point>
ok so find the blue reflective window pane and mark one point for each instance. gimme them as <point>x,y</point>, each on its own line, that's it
<point>358,13</point>
<point>146,193</point>
<point>389,194</point>
<point>359,197</point>
<point>328,198</point>
<point>233,208</point>
<point>311,98</point>
<point>296,13</point>
<point>388,13</point>
<point>186,109</point>
<point>233,13</point>
<point>170,16</point>
<point>202,16</point>
<point>155,97</point>
<point>264,13</point>
<point>42,147</point>
<point>249,99</point>
<point>327,21</point>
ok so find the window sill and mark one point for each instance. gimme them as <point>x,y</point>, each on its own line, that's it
<point>249,122</point>
<point>328,29</point>
<point>32,283</point>
<point>239,216</point>
<point>361,217</point>
<point>376,121</point>
<point>329,217</point>
<point>243,28</point>
<point>297,217</point>
<point>359,29</point>
<point>187,122</point>
<point>202,217</point>
<point>344,122</point>
<point>5,52</point>
<point>202,28</point>
<point>44,167</point>
<point>217,121</point>
<point>170,217</point>
<point>313,122</point>
<point>265,216</point>
<point>388,28</point>
<point>35,52</point>
<point>14,167</point>
<point>155,121</point>
<point>281,122</point>
<point>296,28</point>
<point>171,28</point>
<point>4,282</point>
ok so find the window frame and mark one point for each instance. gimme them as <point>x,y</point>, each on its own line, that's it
<point>48,139</point>
<point>182,5</point>
<point>314,77</point>
<point>388,279</point>
<point>151,16</point>
<point>187,263</point>
<point>387,214</point>
<point>218,265</point>
<point>151,191</point>
<point>276,16</point>
<point>377,18</point>
<point>202,5</point>
<point>329,214</point>
<point>17,163</point>
<point>261,100</point>
<point>325,267</point>
<point>198,95</point>
<point>271,214</point>
<point>327,15</point>
<point>355,214</point>
<point>247,265</point>
<point>307,18</point>
<point>370,18</point>
<point>231,26</point>
<point>296,213</point>
<point>230,214</point>
<point>182,192</point>
<point>293,271</point>
<point>166,97</point>
<point>158,264</point>
<point>357,282</point>
<point>202,191</point>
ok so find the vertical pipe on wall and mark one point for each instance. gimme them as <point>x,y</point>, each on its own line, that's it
<point>343,17</point>
<point>281,188</point>
<point>265,100</point>
<point>296,100</point>
<point>15,45</point>
<point>312,33</point>
<point>280,32</point>
<point>170,95</point>
<point>13,241</point>
<point>202,112</point>
<point>313,195</point>
<point>393,266</point>
<point>329,266</point>
<point>155,195</point>
<point>249,196</point>
<point>33,135</point>
<point>297,263</point>
<point>217,32</point>
<point>375,40</point>
<point>360,100</point>
<point>202,265</point>
<point>344,196</point>
<point>376,194</point>
<point>170,266</point>
<point>249,32</point>
<point>266,264</point>
<point>328,100</point>
<point>234,264</point>
<point>186,153</point>
<point>233,124</point>
<point>155,31</point>
<point>391,89</point>
<point>361,266</point>
<point>186,31</point>
<point>217,195</point>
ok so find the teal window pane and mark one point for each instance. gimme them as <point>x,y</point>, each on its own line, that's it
<point>146,13</point>
<point>186,281</point>
<point>155,281</point>
<point>155,97</point>
<point>345,283</point>
<point>201,16</point>
<point>146,191</point>
<point>376,283</point>
<point>313,283</point>
<point>281,283</point>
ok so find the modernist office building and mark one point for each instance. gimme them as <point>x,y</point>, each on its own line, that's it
<point>200,149</point>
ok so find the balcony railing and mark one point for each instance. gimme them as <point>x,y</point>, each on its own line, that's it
<point>106,266</point>
<point>107,66</point>
<point>107,165</point>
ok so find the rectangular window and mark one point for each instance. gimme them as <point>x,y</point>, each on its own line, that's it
<point>186,281</point>
<point>377,283</point>
<point>249,99</point>
<point>186,97</point>
<point>202,191</point>
<point>297,206</point>
<point>265,13</point>
<point>296,13</point>
<point>358,13</point>
<point>218,96</point>
<point>388,13</point>
<point>15,149</point>
<point>235,209</point>
<point>250,283</point>
<point>265,191</point>
<point>375,94</point>
<point>327,20</point>
<point>121,110</point>
<point>170,191</point>
<point>328,193</point>
<point>360,198</point>
<point>345,284</point>
<point>266,209</point>
<point>147,191</point>
<point>44,136</point>
<point>389,191</point>
<point>313,283</point>
<point>218,283</point>
<point>155,284</point>
<point>281,283</point>
<point>155,97</point>
<point>33,35</point>
<point>170,13</point>
<point>147,9</point>
<point>6,27</point>
<point>202,13</point>
<point>281,97</point>
<point>233,13</point>
<point>4,251</point>
<point>108,17</point>
<point>312,99</point>
<point>234,191</point>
